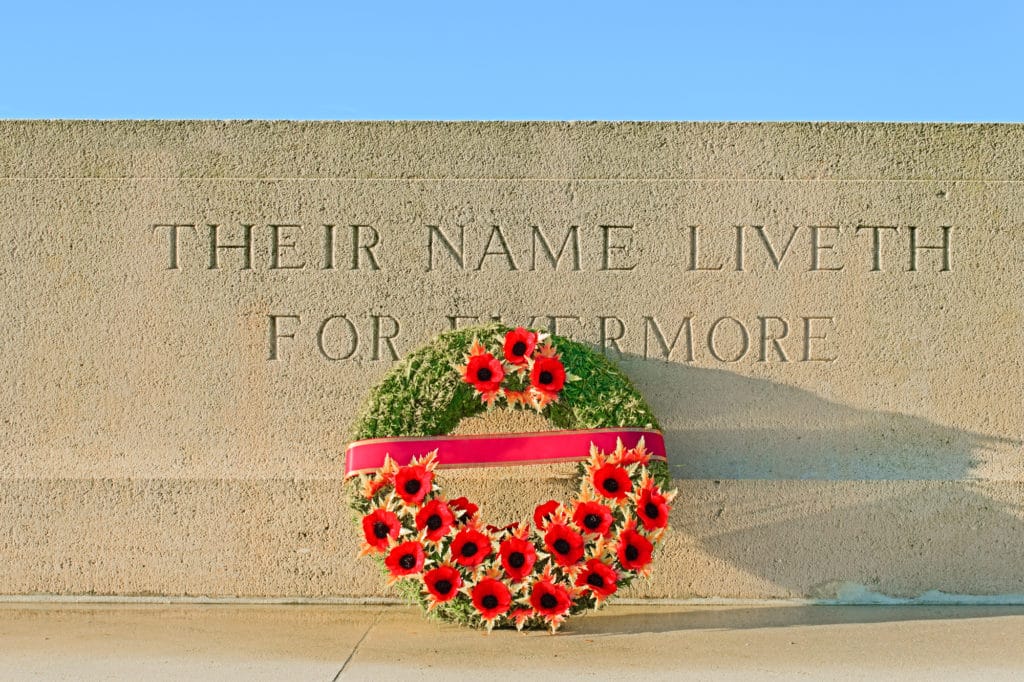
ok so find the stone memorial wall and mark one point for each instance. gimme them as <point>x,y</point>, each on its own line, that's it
<point>827,319</point>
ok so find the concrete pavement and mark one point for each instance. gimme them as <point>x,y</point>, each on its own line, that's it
<point>328,642</point>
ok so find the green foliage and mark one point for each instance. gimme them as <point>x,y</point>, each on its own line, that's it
<point>424,395</point>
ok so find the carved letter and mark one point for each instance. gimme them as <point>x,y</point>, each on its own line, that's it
<point>777,258</point>
<point>457,255</point>
<point>245,246</point>
<point>694,244</point>
<point>554,319</point>
<point>651,325</point>
<point>504,251</point>
<point>808,336</point>
<point>944,248</point>
<point>276,245</point>
<point>743,335</point>
<point>455,320</point>
<point>172,237</point>
<point>606,254</point>
<point>765,338</point>
<point>816,248</point>
<point>739,248</point>
<point>328,247</point>
<point>368,248</point>
<point>876,242</point>
<point>353,334</point>
<point>379,335</point>
<point>572,235</point>
<point>609,341</point>
<point>276,334</point>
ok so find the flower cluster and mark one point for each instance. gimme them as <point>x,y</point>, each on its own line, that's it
<point>530,372</point>
<point>572,558</point>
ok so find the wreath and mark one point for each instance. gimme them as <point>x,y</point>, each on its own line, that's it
<point>439,551</point>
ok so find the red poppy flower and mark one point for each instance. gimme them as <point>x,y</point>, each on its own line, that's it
<point>593,517</point>
<point>436,518</point>
<point>612,481</point>
<point>462,509</point>
<point>443,583</point>
<point>384,476</point>
<point>635,456</point>
<point>548,375</point>
<point>599,578</point>
<point>413,483</point>
<point>565,544</point>
<point>542,514</point>
<point>519,345</point>
<point>491,598</point>
<point>634,550</point>
<point>514,398</point>
<point>550,599</point>
<point>517,557</point>
<point>485,372</point>
<point>520,616</point>
<point>380,527</point>
<point>372,486</point>
<point>652,508</point>
<point>495,530</point>
<point>470,547</point>
<point>405,559</point>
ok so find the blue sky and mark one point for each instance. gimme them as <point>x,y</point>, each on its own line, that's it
<point>887,61</point>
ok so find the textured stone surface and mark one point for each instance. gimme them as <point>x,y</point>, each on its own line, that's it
<point>828,427</point>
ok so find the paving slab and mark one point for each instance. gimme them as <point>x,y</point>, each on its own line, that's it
<point>172,642</point>
<point>331,642</point>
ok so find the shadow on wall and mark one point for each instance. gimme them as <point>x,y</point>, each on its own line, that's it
<point>728,426</point>
<point>844,541</point>
<point>792,495</point>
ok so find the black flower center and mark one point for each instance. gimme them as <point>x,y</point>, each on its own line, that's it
<point>469,549</point>
<point>434,522</point>
<point>632,553</point>
<point>443,587</point>
<point>548,601</point>
<point>516,559</point>
<point>546,377</point>
<point>484,374</point>
<point>489,601</point>
<point>595,580</point>
<point>519,348</point>
<point>592,521</point>
<point>651,510</point>
<point>611,485</point>
<point>381,530</point>
<point>412,486</point>
<point>407,561</point>
<point>561,546</point>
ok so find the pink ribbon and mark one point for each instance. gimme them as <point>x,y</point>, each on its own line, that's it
<point>366,456</point>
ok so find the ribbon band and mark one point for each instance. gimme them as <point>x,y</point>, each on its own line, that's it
<point>367,456</point>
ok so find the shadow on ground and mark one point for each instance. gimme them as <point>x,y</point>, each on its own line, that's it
<point>664,619</point>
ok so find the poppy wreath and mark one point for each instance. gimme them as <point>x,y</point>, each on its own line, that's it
<point>438,551</point>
